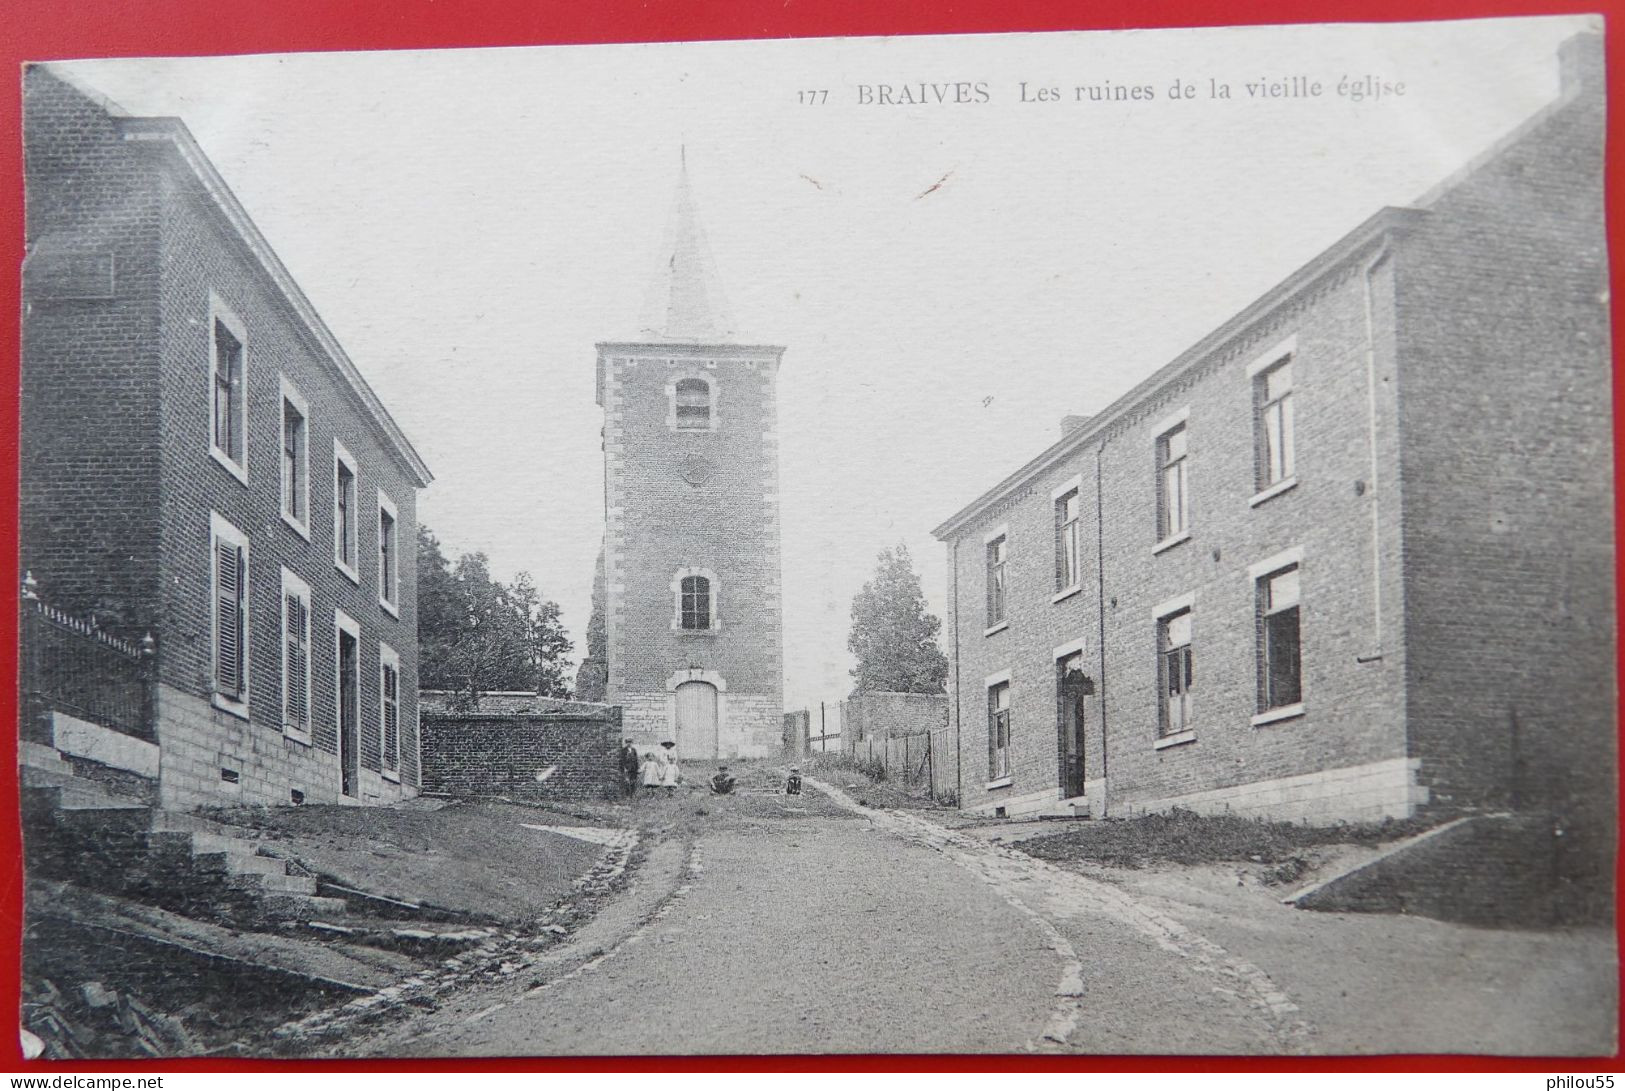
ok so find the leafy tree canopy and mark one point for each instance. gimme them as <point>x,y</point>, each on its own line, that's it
<point>477,634</point>
<point>893,636</point>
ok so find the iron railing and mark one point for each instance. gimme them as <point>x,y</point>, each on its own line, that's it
<point>69,665</point>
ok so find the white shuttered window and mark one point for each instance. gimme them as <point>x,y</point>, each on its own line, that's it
<point>296,668</point>
<point>229,599</point>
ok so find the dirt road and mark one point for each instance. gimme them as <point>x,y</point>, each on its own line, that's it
<point>767,925</point>
<point>848,930</point>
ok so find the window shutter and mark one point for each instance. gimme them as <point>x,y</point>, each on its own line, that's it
<point>1060,544</point>
<point>392,718</point>
<point>229,617</point>
<point>297,714</point>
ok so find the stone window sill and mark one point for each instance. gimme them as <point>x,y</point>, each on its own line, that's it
<point>999,782</point>
<point>299,528</point>
<point>235,470</point>
<point>1274,490</point>
<point>1276,715</point>
<point>293,734</point>
<point>715,630</point>
<point>1067,592</point>
<point>1178,739</point>
<point>393,778</point>
<point>999,628</point>
<point>238,709</point>
<point>1171,541</point>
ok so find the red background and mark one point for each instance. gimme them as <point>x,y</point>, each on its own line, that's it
<point>46,30</point>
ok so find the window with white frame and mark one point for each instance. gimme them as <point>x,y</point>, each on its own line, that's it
<point>228,589</point>
<point>296,666</point>
<point>389,711</point>
<point>345,515</point>
<point>228,383</point>
<point>998,730</point>
<point>691,405</point>
<point>295,460</point>
<point>1280,669</point>
<point>998,556</point>
<point>694,603</point>
<point>1068,573</point>
<point>1173,501</point>
<point>1272,428</point>
<point>389,560</point>
<point>1175,673</point>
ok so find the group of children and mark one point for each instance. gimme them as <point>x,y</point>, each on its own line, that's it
<point>658,768</point>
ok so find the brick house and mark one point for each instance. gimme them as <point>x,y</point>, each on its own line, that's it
<point>1349,555</point>
<point>691,560</point>
<point>202,462</point>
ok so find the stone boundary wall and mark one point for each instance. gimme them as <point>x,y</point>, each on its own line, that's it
<point>887,715</point>
<point>540,756</point>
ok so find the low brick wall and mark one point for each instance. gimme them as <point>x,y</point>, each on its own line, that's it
<point>886,715</point>
<point>542,756</point>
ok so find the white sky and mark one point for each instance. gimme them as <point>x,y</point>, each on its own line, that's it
<point>470,222</point>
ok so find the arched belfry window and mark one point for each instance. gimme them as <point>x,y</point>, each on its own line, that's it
<point>695,606</point>
<point>693,405</point>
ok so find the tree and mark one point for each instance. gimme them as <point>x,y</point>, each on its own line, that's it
<point>592,679</point>
<point>893,637</point>
<point>476,634</point>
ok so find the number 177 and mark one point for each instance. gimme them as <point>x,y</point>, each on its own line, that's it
<point>812,98</point>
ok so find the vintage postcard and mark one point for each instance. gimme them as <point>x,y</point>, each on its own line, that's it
<point>1068,543</point>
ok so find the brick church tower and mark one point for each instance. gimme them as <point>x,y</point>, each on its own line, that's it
<point>691,554</point>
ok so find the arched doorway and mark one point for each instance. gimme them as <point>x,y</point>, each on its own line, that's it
<point>697,720</point>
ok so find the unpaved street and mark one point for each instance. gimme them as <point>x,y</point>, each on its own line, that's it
<point>850,930</point>
<point>761,924</point>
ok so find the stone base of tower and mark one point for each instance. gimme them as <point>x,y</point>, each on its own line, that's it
<point>748,725</point>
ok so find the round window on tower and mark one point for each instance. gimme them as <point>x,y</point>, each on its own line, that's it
<point>697,470</point>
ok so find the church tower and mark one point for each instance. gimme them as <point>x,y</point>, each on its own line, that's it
<point>691,549</point>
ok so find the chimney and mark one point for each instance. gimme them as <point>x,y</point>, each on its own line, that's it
<point>1072,422</point>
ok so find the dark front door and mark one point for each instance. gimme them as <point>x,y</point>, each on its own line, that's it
<point>349,715</point>
<point>1073,690</point>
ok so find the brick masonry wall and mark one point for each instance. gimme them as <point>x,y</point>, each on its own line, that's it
<point>883,714</point>
<point>118,480</point>
<point>199,257</point>
<point>488,754</point>
<point>659,522</point>
<point>89,411</point>
<point>1508,471</point>
<point>1353,711</point>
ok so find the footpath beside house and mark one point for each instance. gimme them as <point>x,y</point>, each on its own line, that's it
<point>206,470</point>
<point>1349,556</point>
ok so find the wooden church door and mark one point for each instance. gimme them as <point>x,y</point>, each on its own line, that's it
<point>697,720</point>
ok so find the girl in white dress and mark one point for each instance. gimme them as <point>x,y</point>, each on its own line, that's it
<point>654,767</point>
<point>671,775</point>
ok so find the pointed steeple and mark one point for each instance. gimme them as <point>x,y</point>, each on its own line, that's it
<point>685,300</point>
